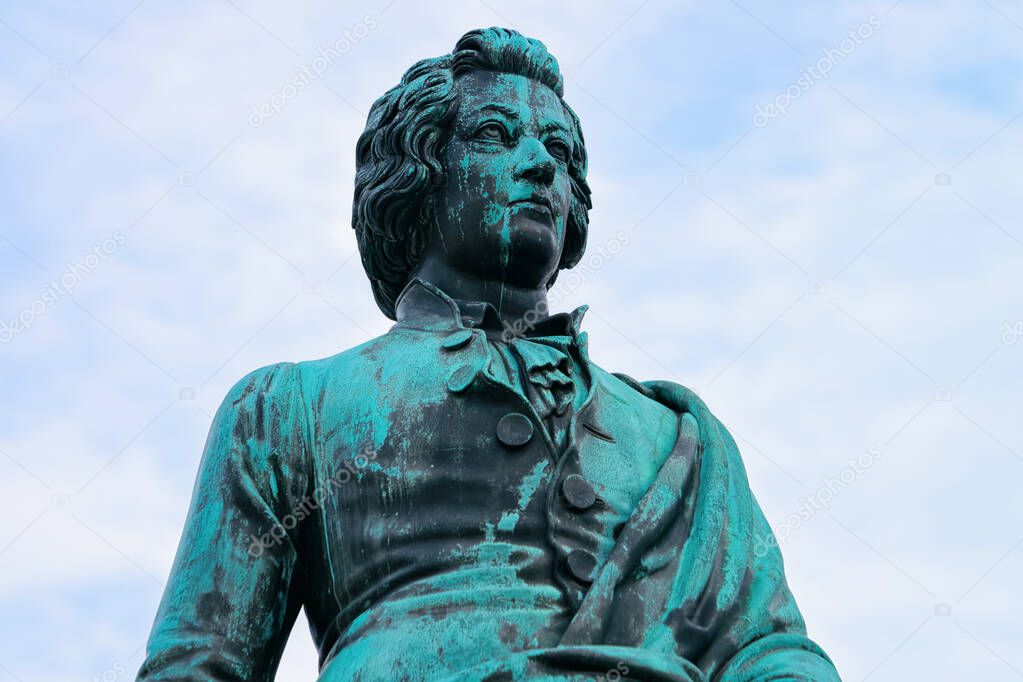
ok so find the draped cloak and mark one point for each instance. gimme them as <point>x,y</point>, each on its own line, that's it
<point>691,591</point>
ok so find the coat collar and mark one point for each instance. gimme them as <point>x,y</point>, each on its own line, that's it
<point>423,305</point>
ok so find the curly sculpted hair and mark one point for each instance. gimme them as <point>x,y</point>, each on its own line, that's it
<point>398,156</point>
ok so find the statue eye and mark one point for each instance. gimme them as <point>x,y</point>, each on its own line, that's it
<point>559,150</point>
<point>493,132</point>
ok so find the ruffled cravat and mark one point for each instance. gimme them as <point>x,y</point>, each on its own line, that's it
<point>549,371</point>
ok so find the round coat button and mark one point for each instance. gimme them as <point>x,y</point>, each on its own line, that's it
<point>514,429</point>
<point>578,492</point>
<point>581,565</point>
<point>461,378</point>
<point>457,340</point>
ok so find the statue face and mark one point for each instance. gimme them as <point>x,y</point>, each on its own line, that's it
<point>504,210</point>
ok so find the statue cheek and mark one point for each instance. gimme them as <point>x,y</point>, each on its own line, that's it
<point>493,213</point>
<point>559,227</point>
<point>561,220</point>
<point>480,176</point>
<point>494,183</point>
<point>496,173</point>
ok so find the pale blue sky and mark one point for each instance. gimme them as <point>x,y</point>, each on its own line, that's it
<point>845,277</point>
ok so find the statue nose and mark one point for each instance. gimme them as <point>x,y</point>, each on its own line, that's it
<point>541,171</point>
<point>538,165</point>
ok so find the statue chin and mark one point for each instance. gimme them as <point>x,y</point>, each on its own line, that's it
<point>526,257</point>
<point>531,251</point>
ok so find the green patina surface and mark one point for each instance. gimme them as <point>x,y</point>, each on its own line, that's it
<point>413,494</point>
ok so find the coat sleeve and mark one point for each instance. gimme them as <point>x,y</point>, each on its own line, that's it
<point>235,587</point>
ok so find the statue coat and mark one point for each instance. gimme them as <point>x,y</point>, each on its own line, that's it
<point>416,508</point>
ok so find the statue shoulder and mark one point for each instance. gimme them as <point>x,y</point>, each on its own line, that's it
<point>633,383</point>
<point>358,379</point>
<point>265,398</point>
<point>263,387</point>
<point>290,389</point>
<point>633,399</point>
<point>358,367</point>
<point>673,395</point>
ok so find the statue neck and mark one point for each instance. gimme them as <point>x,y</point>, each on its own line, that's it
<point>511,302</point>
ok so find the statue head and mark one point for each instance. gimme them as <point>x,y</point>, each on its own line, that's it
<point>474,157</point>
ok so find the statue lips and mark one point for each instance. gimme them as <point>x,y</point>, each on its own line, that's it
<point>537,204</point>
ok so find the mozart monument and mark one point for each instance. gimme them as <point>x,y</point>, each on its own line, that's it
<point>468,497</point>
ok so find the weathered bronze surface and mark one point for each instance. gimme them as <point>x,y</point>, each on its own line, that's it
<point>468,496</point>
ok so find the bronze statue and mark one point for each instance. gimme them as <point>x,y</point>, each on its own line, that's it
<point>451,501</point>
